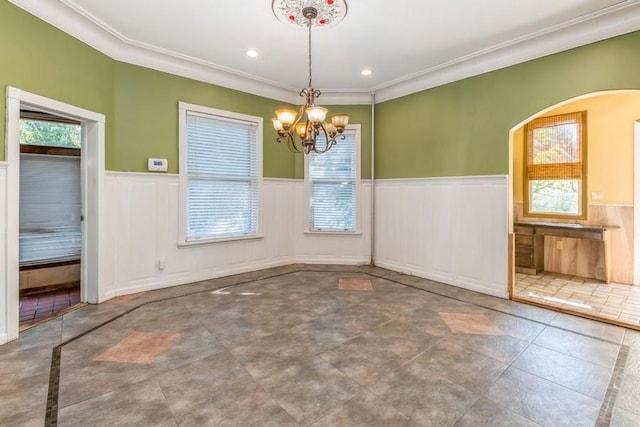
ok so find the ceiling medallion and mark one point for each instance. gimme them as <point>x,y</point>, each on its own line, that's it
<point>329,12</point>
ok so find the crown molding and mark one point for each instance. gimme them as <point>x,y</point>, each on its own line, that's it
<point>80,25</point>
<point>609,22</point>
<point>334,97</point>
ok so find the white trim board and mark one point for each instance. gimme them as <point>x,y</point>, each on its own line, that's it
<point>92,166</point>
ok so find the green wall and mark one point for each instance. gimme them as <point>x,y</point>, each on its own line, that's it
<point>38,58</point>
<point>458,129</point>
<point>140,104</point>
<point>462,128</point>
<point>146,117</point>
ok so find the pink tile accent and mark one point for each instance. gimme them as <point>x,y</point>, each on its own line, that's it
<point>125,298</point>
<point>139,347</point>
<point>355,285</point>
<point>470,323</point>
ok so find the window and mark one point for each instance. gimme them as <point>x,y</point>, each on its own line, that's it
<point>220,174</point>
<point>50,192</point>
<point>555,166</point>
<point>333,181</point>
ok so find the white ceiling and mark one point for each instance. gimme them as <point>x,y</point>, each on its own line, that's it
<point>409,44</point>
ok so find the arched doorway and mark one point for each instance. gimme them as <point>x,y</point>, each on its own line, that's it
<point>555,262</point>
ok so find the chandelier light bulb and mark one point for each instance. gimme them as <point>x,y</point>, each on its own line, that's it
<point>316,114</point>
<point>286,117</point>
<point>301,129</point>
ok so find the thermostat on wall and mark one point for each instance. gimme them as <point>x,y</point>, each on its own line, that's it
<point>157,165</point>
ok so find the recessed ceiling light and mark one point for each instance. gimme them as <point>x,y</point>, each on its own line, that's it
<point>366,72</point>
<point>251,53</point>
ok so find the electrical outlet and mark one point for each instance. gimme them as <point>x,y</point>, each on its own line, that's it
<point>558,244</point>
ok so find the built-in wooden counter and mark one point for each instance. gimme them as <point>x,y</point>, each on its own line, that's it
<point>529,242</point>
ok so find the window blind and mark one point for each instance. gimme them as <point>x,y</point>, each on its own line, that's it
<point>222,177</point>
<point>50,209</point>
<point>554,147</point>
<point>333,178</point>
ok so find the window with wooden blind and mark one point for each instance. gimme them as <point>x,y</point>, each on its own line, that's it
<point>220,174</point>
<point>333,181</point>
<point>555,166</point>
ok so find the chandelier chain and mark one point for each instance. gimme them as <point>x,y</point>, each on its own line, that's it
<point>309,25</point>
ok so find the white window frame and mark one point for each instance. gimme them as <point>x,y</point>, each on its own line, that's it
<point>307,185</point>
<point>183,108</point>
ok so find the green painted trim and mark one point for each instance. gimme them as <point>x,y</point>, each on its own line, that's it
<point>462,128</point>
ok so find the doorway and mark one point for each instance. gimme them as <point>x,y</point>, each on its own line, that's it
<point>566,267</point>
<point>92,127</point>
<point>50,216</point>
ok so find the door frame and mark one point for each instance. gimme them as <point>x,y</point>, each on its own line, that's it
<point>92,175</point>
<point>636,202</point>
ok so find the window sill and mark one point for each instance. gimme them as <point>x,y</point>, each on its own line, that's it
<point>189,243</point>
<point>356,233</point>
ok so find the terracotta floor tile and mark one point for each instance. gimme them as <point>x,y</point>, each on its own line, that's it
<point>470,323</point>
<point>124,298</point>
<point>355,285</point>
<point>139,347</point>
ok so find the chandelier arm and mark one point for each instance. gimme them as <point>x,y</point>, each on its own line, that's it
<point>329,141</point>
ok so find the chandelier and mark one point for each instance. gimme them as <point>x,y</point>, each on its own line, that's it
<point>306,130</point>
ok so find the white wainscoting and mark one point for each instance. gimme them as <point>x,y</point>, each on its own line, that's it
<point>3,240</point>
<point>333,248</point>
<point>143,254</point>
<point>142,214</point>
<point>452,230</point>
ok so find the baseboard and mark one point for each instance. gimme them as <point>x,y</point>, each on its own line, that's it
<point>184,280</point>
<point>446,280</point>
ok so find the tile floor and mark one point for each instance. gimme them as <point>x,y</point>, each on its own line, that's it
<point>288,346</point>
<point>611,301</point>
<point>38,307</point>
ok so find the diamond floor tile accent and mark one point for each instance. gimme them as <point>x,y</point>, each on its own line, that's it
<point>139,347</point>
<point>355,285</point>
<point>470,323</point>
<point>124,298</point>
